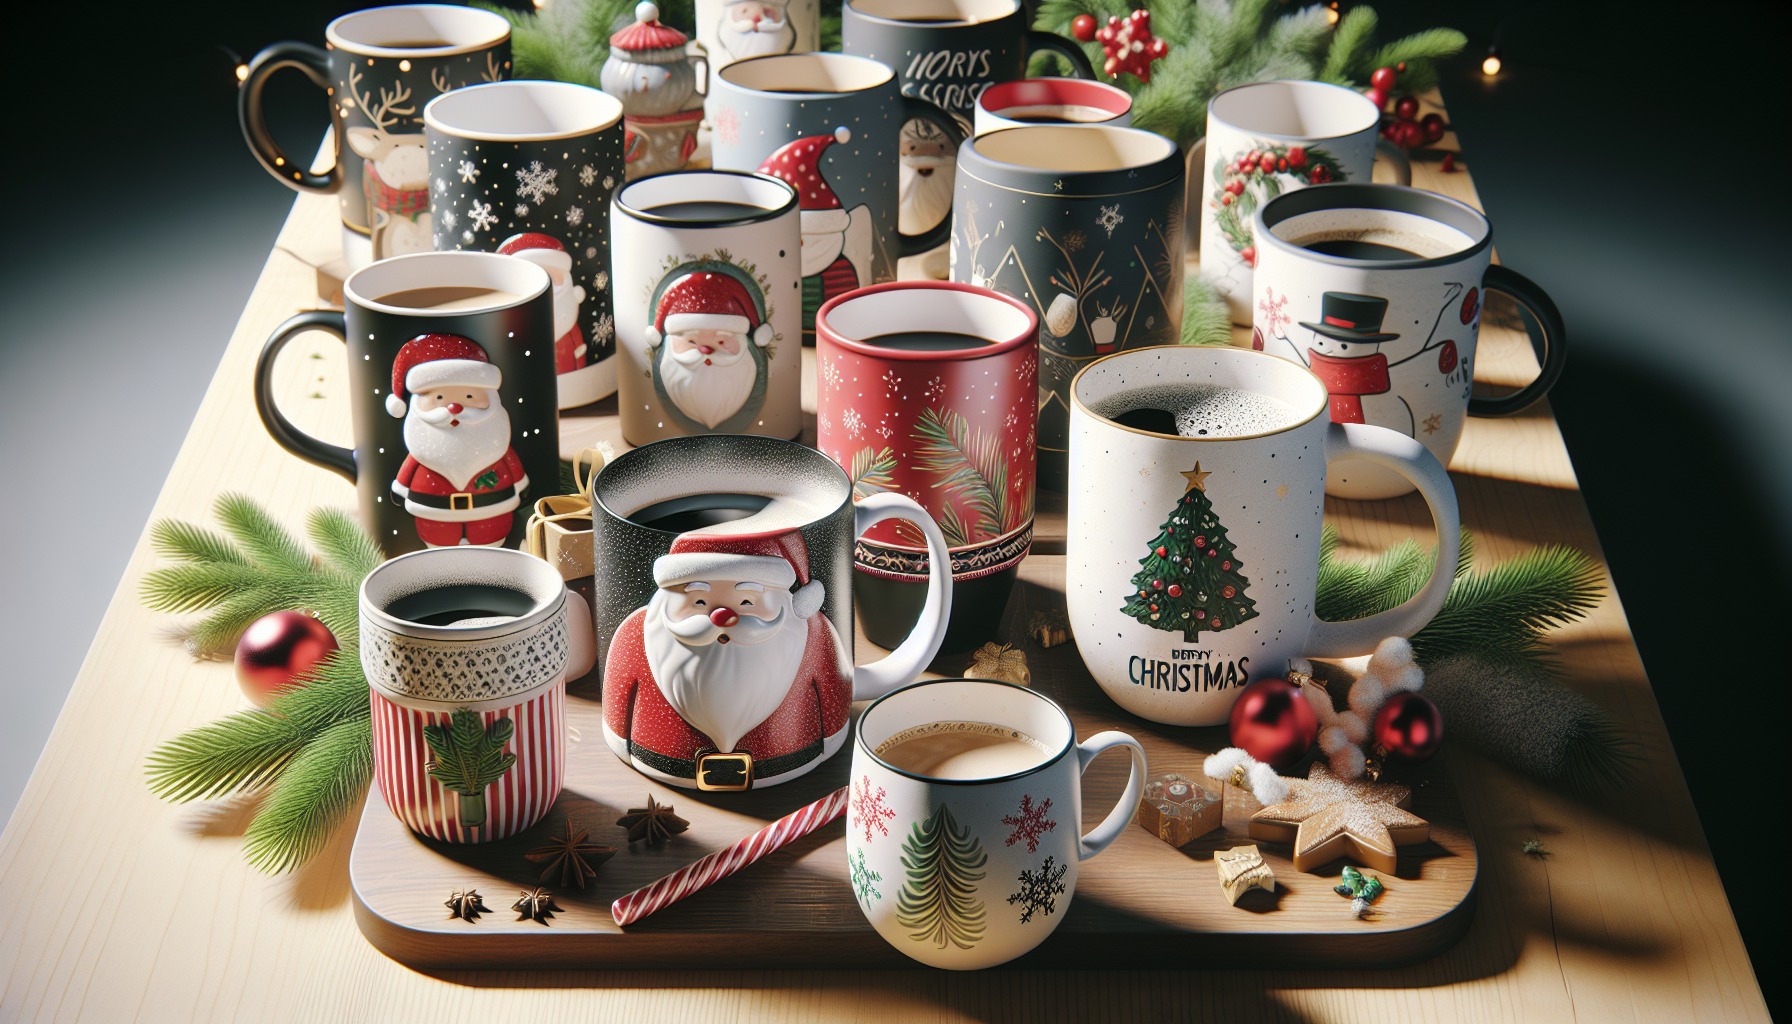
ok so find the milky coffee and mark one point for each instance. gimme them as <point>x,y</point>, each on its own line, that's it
<point>1197,410</point>
<point>962,750</point>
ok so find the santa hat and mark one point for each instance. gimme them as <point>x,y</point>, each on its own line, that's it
<point>708,302</point>
<point>798,163</point>
<point>438,360</point>
<point>775,561</point>
<point>542,250</point>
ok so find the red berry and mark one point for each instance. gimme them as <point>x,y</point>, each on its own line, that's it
<point>1199,614</point>
<point>1175,590</point>
<point>1249,255</point>
<point>1400,67</point>
<point>1154,607</point>
<point>1235,187</point>
<point>1227,591</point>
<point>1212,551</point>
<point>1217,624</point>
<point>1377,97</point>
<point>1282,164</point>
<point>1083,27</point>
<point>1268,163</point>
<point>1449,163</point>
<point>1433,124</point>
<point>1407,108</point>
<point>1200,542</point>
<point>1471,304</point>
<point>1226,200</point>
<point>1446,359</point>
<point>1226,564</point>
<point>1382,79</point>
<point>1411,135</point>
<point>1162,551</point>
<point>1297,156</point>
<point>1157,584</point>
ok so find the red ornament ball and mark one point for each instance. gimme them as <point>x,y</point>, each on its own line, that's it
<point>275,650</point>
<point>1175,590</point>
<point>1410,727</point>
<point>1383,79</point>
<point>1406,108</point>
<point>1379,97</point>
<point>1273,723</point>
<point>1227,591</point>
<point>1083,28</point>
<point>1162,551</point>
<point>1157,584</point>
<point>1434,126</point>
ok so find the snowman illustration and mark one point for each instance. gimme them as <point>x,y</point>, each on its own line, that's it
<point>1346,355</point>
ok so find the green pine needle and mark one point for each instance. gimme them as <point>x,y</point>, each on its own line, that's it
<point>243,751</point>
<point>174,539</point>
<point>311,797</point>
<point>1205,320</point>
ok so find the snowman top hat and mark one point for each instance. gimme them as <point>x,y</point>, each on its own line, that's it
<point>1347,316</point>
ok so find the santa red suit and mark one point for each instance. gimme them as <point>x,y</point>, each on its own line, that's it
<point>787,720</point>
<point>836,243</point>
<point>579,382</point>
<point>454,500</point>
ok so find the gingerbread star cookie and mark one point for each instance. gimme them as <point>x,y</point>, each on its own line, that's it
<point>1328,817</point>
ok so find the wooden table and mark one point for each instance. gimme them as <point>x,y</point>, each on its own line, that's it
<point>117,906</point>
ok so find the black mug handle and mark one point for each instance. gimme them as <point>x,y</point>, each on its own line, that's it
<point>912,108</point>
<point>328,456</point>
<point>315,63</point>
<point>1079,61</point>
<point>1555,342</point>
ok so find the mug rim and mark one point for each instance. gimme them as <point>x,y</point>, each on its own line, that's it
<point>541,610</point>
<point>333,32</point>
<point>610,106</point>
<point>1363,195</point>
<point>899,23</point>
<point>647,217</point>
<point>820,459</point>
<point>1213,114</point>
<point>1044,181</point>
<point>825,56</point>
<point>349,291</point>
<point>1072,85</point>
<point>1052,759</point>
<point>954,355</point>
<point>1076,400</point>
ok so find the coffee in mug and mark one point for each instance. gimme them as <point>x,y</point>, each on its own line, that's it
<point>962,750</point>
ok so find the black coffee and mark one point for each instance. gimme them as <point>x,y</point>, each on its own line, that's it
<point>444,606</point>
<point>1356,249</point>
<point>706,210</point>
<point>1158,421</point>
<point>695,511</point>
<point>1041,118</point>
<point>928,341</point>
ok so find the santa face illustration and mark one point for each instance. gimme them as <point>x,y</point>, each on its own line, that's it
<point>710,364</point>
<point>755,28</point>
<point>836,242</point>
<point>926,166</point>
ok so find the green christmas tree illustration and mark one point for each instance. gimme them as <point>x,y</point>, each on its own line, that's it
<point>468,757</point>
<point>1191,579</point>
<point>939,900</point>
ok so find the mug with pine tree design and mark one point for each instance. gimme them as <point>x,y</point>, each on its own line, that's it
<point>1197,494</point>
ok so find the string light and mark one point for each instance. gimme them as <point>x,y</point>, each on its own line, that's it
<point>242,72</point>
<point>1331,13</point>
<point>1491,65</point>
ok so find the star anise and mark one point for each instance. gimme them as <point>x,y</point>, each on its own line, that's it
<point>535,904</point>
<point>466,905</point>
<point>572,856</point>
<point>652,823</point>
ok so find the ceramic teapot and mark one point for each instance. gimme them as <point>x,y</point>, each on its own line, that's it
<point>656,81</point>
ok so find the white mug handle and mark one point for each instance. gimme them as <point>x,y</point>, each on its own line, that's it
<point>1102,835</point>
<point>910,658</point>
<point>1413,461</point>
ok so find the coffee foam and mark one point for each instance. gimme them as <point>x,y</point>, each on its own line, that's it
<point>1428,238</point>
<point>1211,411</point>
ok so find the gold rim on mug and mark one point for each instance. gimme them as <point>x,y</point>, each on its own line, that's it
<point>1076,399</point>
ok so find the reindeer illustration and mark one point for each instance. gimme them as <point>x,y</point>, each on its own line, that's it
<point>395,173</point>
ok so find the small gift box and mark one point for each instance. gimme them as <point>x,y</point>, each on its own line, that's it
<point>1176,809</point>
<point>559,532</point>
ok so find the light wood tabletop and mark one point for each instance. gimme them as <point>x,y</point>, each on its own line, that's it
<point>117,906</point>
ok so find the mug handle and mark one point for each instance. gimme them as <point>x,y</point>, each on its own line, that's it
<point>933,237</point>
<point>1195,175</point>
<point>1415,462</point>
<point>315,63</point>
<point>1555,342</point>
<point>1080,67</point>
<point>337,460</point>
<point>1102,835</point>
<point>910,658</point>
<point>1397,157</point>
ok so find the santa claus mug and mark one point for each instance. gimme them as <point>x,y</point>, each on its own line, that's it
<point>451,373</point>
<point>1378,290</point>
<point>1192,560</point>
<point>726,613</point>
<point>526,169</point>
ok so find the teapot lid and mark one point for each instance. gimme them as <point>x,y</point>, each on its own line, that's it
<point>647,33</point>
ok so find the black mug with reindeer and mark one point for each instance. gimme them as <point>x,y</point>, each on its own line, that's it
<point>379,67</point>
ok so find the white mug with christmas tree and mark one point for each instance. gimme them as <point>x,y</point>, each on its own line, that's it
<point>963,830</point>
<point>1197,493</point>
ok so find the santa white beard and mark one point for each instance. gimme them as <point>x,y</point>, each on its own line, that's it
<point>724,690</point>
<point>742,40</point>
<point>567,298</point>
<point>820,250</point>
<point>457,453</point>
<point>925,199</point>
<point>708,393</point>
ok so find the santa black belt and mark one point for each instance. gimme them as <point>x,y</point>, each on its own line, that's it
<point>462,501</point>
<point>732,771</point>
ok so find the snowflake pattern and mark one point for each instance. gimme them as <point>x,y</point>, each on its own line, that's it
<point>602,328</point>
<point>1110,218</point>
<point>481,214</point>
<point>1039,890</point>
<point>522,209</point>
<point>587,175</point>
<point>728,126</point>
<point>449,219</point>
<point>1030,823</point>
<point>591,253</point>
<point>575,216</point>
<point>609,181</point>
<point>830,374</point>
<point>852,421</point>
<point>601,279</point>
<point>441,186</point>
<point>536,183</point>
<point>862,879</point>
<point>869,809</point>
<point>468,172</point>
<point>467,237</point>
<point>936,388</point>
<point>884,429</point>
<point>894,383</point>
<point>1273,310</point>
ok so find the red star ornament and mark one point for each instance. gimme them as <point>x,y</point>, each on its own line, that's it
<point>1130,46</point>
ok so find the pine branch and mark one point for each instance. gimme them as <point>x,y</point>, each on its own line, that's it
<point>265,541</point>
<point>1503,611</point>
<point>174,539</point>
<point>311,798</point>
<point>969,465</point>
<point>189,588</point>
<point>1205,321</point>
<point>345,546</point>
<point>1350,44</point>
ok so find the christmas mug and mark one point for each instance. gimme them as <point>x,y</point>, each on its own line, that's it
<point>1265,139</point>
<point>726,615</point>
<point>1197,493</point>
<point>731,30</point>
<point>451,369</point>
<point>829,125</point>
<point>526,169</point>
<point>928,388</point>
<point>379,67</point>
<point>962,841</point>
<point>1378,290</point>
<point>707,305</point>
<point>465,653</point>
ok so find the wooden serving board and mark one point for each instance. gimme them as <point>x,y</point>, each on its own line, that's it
<point>1142,903</point>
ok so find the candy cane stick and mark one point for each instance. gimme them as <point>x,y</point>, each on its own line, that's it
<point>722,863</point>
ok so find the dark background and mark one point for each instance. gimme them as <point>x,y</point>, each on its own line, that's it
<point>1625,157</point>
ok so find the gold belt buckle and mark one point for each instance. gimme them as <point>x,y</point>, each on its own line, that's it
<point>728,766</point>
<point>454,501</point>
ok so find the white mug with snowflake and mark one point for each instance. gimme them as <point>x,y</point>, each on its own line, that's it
<point>970,862</point>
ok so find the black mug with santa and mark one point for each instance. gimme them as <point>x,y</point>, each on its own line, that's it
<point>451,369</point>
<point>726,613</point>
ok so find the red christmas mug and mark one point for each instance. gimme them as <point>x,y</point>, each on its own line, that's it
<point>930,389</point>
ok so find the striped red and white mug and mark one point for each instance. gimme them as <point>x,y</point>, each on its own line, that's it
<point>465,652</point>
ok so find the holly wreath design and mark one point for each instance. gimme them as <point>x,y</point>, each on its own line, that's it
<point>1254,177</point>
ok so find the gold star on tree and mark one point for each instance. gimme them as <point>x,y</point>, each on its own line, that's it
<point>572,856</point>
<point>1197,480</point>
<point>652,823</point>
<point>1328,817</point>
